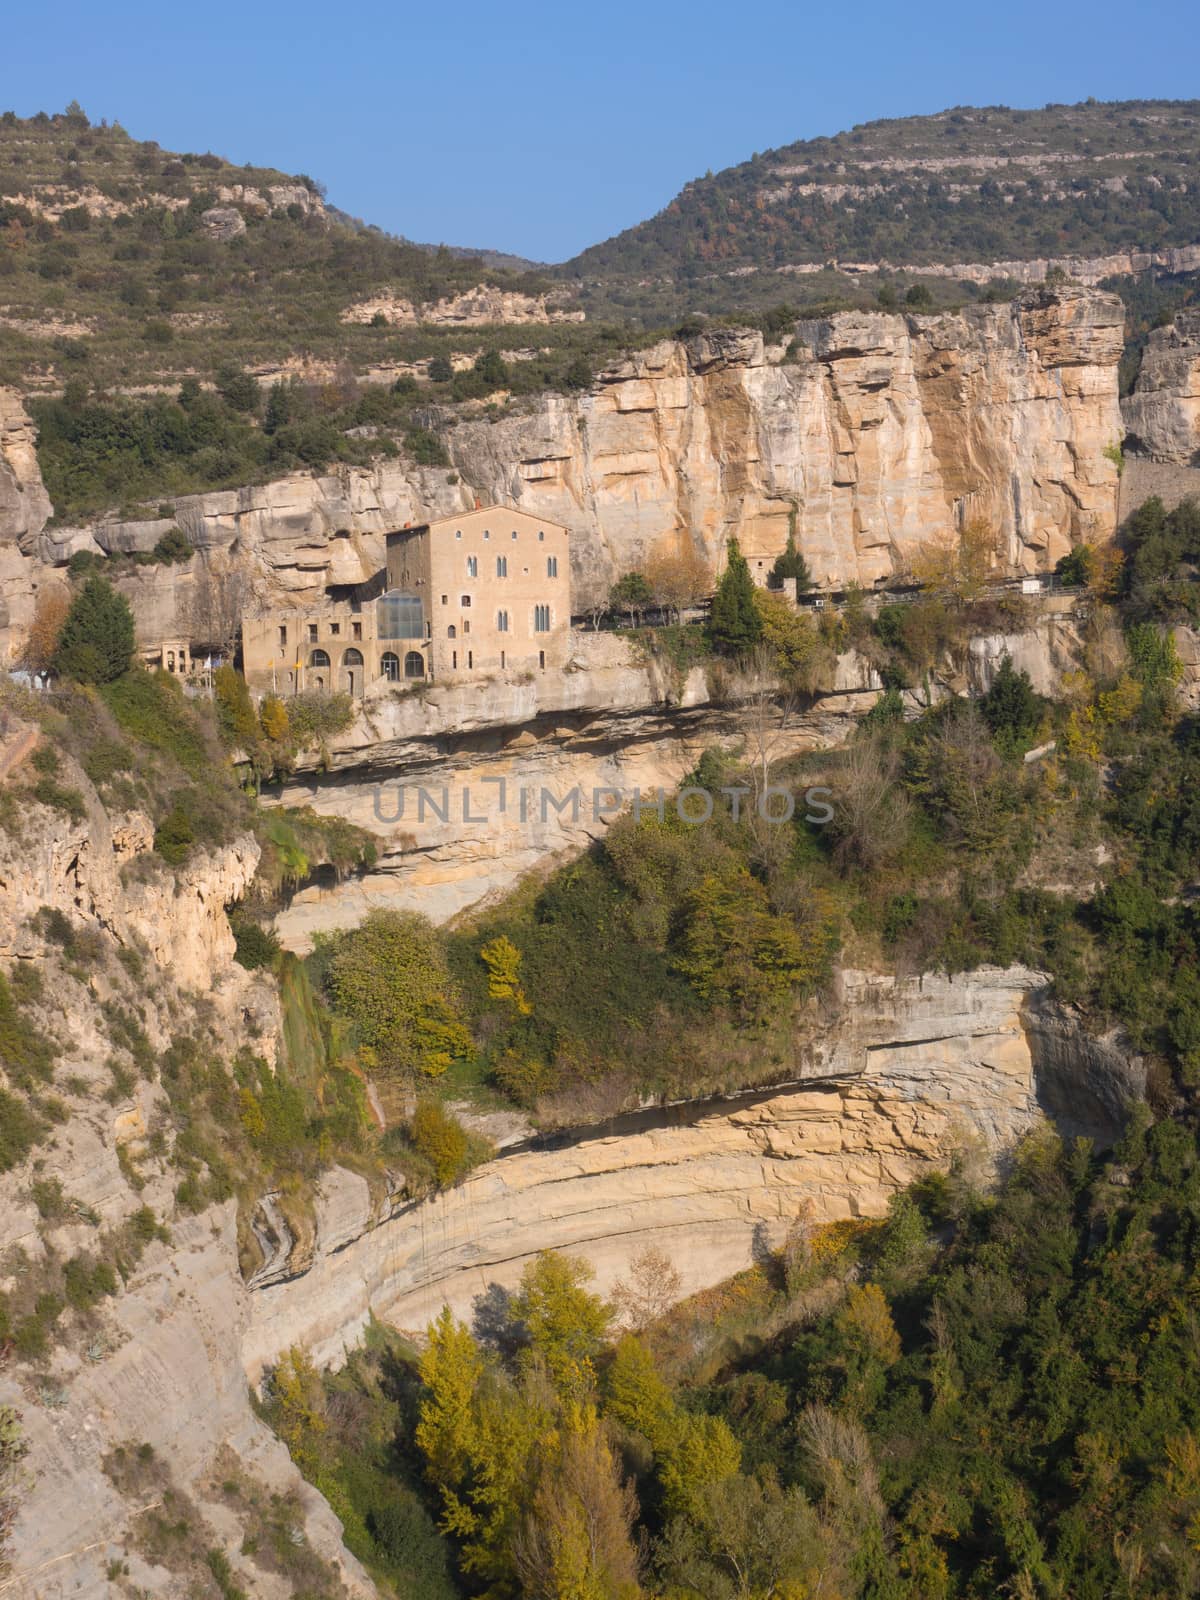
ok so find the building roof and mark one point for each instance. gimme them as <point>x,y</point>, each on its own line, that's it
<point>456,518</point>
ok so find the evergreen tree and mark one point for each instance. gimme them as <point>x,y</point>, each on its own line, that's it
<point>734,624</point>
<point>1011,708</point>
<point>791,564</point>
<point>97,640</point>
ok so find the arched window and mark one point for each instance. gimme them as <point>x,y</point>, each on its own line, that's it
<point>318,658</point>
<point>552,566</point>
<point>452,632</point>
<point>352,658</point>
<point>472,566</point>
<point>541,619</point>
<point>502,566</point>
<point>414,664</point>
<point>389,665</point>
<point>502,621</point>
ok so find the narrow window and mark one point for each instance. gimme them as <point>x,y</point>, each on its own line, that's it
<point>312,633</point>
<point>542,534</point>
<point>454,660</point>
<point>467,626</point>
<point>486,534</point>
<point>503,661</point>
<point>282,638</point>
<point>542,659</point>
<point>335,627</point>
<point>514,533</point>
<point>472,566</point>
<point>552,566</point>
<point>502,566</point>
<point>502,621</point>
<point>470,659</point>
<point>541,619</point>
<point>356,630</point>
<point>458,533</point>
<point>445,597</point>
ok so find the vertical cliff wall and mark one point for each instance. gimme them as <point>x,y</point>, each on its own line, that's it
<point>873,434</point>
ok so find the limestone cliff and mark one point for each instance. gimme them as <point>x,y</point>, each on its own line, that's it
<point>1162,415</point>
<point>129,955</point>
<point>872,434</point>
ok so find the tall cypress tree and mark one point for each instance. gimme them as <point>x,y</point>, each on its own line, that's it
<point>97,640</point>
<point>734,624</point>
<point>791,564</point>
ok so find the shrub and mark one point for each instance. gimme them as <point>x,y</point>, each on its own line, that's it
<point>426,449</point>
<point>257,945</point>
<point>20,1130</point>
<point>389,977</point>
<point>439,1139</point>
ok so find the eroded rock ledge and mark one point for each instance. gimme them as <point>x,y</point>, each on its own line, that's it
<point>898,1076</point>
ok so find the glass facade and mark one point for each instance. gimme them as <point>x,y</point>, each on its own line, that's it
<point>400,615</point>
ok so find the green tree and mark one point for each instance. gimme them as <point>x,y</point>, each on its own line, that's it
<point>734,624</point>
<point>630,595</point>
<point>237,388</point>
<point>492,369</point>
<point>791,565</point>
<point>235,710</point>
<point>440,370</point>
<point>389,977</point>
<point>1010,707</point>
<point>97,641</point>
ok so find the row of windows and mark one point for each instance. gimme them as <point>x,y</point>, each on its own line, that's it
<point>541,623</point>
<point>487,533</point>
<point>335,629</point>
<point>389,662</point>
<point>502,566</point>
<point>464,601</point>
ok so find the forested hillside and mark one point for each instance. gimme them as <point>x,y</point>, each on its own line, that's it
<point>967,185</point>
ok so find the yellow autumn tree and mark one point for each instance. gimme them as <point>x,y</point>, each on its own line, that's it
<point>503,962</point>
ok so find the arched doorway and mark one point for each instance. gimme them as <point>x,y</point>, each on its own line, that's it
<point>414,664</point>
<point>319,664</point>
<point>352,677</point>
<point>389,665</point>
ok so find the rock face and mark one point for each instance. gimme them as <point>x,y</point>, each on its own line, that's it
<point>899,1075</point>
<point>882,434</point>
<point>469,787</point>
<point>872,435</point>
<point>1162,415</point>
<point>476,307</point>
<point>24,504</point>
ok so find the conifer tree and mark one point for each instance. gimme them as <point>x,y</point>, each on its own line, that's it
<point>791,564</point>
<point>97,640</point>
<point>734,624</point>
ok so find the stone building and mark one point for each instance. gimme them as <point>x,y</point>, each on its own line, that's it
<point>483,593</point>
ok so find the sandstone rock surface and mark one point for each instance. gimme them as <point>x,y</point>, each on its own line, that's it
<point>901,1074</point>
<point>1162,414</point>
<point>880,435</point>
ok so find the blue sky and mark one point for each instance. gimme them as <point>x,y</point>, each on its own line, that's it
<point>540,128</point>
